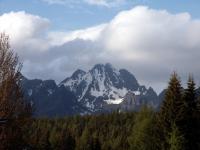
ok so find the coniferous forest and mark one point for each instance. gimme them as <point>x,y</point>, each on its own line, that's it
<point>175,126</point>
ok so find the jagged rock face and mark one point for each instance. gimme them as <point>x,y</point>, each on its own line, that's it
<point>48,99</point>
<point>104,85</point>
<point>101,89</point>
<point>134,102</point>
<point>130,102</point>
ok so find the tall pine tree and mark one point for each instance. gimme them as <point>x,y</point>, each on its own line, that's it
<point>171,112</point>
<point>175,139</point>
<point>190,116</point>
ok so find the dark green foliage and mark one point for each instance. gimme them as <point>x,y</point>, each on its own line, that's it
<point>176,139</point>
<point>171,112</point>
<point>190,116</point>
<point>178,119</point>
<point>106,131</point>
<point>142,137</point>
<point>171,109</point>
<point>176,126</point>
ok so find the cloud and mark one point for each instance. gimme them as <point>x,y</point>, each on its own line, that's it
<point>25,30</point>
<point>92,33</point>
<point>57,1</point>
<point>150,43</point>
<point>105,3</point>
<point>154,42</point>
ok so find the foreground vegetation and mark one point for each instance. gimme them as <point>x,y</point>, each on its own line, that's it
<point>176,126</point>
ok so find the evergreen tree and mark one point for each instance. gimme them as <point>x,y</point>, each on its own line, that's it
<point>175,139</point>
<point>67,141</point>
<point>85,142</point>
<point>190,116</point>
<point>171,111</point>
<point>197,116</point>
<point>96,145</point>
<point>142,137</point>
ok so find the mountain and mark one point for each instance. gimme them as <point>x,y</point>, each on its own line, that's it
<point>101,89</point>
<point>104,87</point>
<point>49,99</point>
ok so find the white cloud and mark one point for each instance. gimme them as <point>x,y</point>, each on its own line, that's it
<point>56,1</point>
<point>25,30</point>
<point>92,33</point>
<point>150,43</point>
<point>106,3</point>
<point>154,42</point>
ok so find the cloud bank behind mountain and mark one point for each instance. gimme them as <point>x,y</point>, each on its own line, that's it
<point>150,43</point>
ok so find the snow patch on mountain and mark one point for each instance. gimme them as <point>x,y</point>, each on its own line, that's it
<point>103,84</point>
<point>137,92</point>
<point>50,91</point>
<point>30,92</point>
<point>116,101</point>
<point>72,83</point>
<point>87,79</point>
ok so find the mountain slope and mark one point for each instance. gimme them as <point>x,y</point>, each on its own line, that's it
<point>104,85</point>
<point>48,99</point>
<point>101,89</point>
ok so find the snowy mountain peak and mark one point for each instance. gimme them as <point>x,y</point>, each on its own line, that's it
<point>98,66</point>
<point>102,85</point>
<point>78,74</point>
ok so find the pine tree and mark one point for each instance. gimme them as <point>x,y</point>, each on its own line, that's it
<point>142,137</point>
<point>85,142</point>
<point>197,116</point>
<point>171,111</point>
<point>67,142</point>
<point>175,139</point>
<point>190,118</point>
<point>96,145</point>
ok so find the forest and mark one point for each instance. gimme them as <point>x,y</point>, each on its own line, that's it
<point>175,126</point>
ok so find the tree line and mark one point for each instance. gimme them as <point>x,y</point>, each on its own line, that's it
<point>175,126</point>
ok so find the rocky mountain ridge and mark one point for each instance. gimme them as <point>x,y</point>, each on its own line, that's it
<point>101,89</point>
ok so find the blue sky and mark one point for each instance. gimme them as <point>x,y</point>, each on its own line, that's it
<point>150,38</point>
<point>71,15</point>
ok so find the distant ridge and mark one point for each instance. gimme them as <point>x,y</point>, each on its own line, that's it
<point>101,89</point>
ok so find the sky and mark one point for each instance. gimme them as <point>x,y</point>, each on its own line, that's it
<point>150,38</point>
